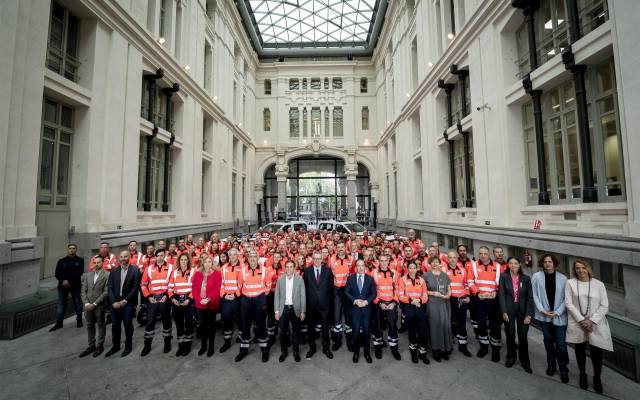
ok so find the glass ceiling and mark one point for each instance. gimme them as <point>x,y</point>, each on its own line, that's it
<point>279,27</point>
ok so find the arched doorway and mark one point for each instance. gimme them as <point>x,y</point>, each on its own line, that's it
<point>316,189</point>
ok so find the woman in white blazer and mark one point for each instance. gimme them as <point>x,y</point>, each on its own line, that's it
<point>551,314</point>
<point>587,303</point>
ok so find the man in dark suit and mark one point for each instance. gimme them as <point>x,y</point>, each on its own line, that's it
<point>360,292</point>
<point>123,287</point>
<point>68,272</point>
<point>318,282</point>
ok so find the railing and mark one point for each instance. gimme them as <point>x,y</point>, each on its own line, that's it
<point>592,13</point>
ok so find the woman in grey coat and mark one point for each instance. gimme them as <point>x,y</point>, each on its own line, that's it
<point>290,305</point>
<point>439,310</point>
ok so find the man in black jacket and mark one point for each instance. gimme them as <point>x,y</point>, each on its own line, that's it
<point>69,270</point>
<point>123,287</point>
<point>318,282</point>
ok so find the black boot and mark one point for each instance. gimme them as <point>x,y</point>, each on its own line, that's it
<point>597,384</point>
<point>436,355</point>
<point>464,350</point>
<point>147,347</point>
<point>495,353</point>
<point>242,354</point>
<point>203,346</point>
<point>180,351</point>
<point>484,350</point>
<point>349,342</point>
<point>414,356</point>
<point>167,345</point>
<point>337,343</point>
<point>210,347</point>
<point>265,355</point>
<point>424,358</point>
<point>395,353</point>
<point>584,382</point>
<point>226,346</point>
<point>187,348</point>
<point>378,351</point>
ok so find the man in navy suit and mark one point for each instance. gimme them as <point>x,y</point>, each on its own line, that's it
<point>361,290</point>
<point>123,286</point>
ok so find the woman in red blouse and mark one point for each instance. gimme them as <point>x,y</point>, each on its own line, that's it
<point>206,294</point>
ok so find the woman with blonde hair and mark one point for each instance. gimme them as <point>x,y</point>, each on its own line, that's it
<point>206,295</point>
<point>587,304</point>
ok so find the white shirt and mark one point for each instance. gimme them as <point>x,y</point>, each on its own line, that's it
<point>288,297</point>
<point>95,277</point>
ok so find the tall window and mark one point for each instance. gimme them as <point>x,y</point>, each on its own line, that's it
<point>552,30</point>
<point>55,155</point>
<point>294,84</point>
<point>294,122</point>
<point>336,83</point>
<point>267,86</point>
<point>365,118</point>
<point>315,122</point>
<point>363,85</point>
<point>62,49</point>
<point>337,122</point>
<point>157,174</point>
<point>233,195</point>
<point>208,65</point>
<point>458,169</point>
<point>305,122</point>
<point>266,120</point>
<point>163,18</point>
<point>326,122</point>
<point>244,191</point>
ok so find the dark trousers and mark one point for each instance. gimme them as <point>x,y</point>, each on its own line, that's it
<point>416,321</point>
<point>391,318</point>
<point>207,328</point>
<point>183,317</point>
<point>153,310</point>
<point>230,313</point>
<point>459,319</point>
<point>289,319</point>
<point>516,326</point>
<point>489,321</point>
<point>271,318</point>
<point>341,308</point>
<point>319,318</point>
<point>254,310</point>
<point>61,310</point>
<point>119,317</point>
<point>596,358</point>
<point>361,318</point>
<point>555,345</point>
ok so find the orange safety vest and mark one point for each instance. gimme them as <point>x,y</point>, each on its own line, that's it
<point>385,285</point>
<point>156,280</point>
<point>108,263</point>
<point>255,282</point>
<point>483,279</point>
<point>340,268</point>
<point>409,290</point>
<point>458,277</point>
<point>180,283</point>
<point>231,280</point>
<point>136,259</point>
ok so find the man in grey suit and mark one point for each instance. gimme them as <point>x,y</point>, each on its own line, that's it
<point>290,305</point>
<point>93,293</point>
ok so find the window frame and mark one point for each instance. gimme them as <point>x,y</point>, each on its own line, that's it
<point>65,59</point>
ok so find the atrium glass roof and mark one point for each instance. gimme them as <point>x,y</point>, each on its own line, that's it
<point>313,27</point>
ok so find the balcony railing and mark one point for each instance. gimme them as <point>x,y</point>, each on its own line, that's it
<point>592,13</point>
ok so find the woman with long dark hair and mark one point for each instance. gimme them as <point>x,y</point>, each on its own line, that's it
<point>183,309</point>
<point>206,294</point>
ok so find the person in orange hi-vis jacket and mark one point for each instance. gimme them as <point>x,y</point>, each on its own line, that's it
<point>386,308</point>
<point>230,292</point>
<point>155,287</point>
<point>183,311</point>
<point>412,292</point>
<point>459,300</point>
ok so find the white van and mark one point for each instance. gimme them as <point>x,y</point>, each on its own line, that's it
<point>284,226</point>
<point>341,226</point>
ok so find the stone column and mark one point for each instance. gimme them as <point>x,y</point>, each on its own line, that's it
<point>351,196</point>
<point>281,174</point>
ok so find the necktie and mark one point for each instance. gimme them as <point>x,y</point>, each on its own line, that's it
<point>317,275</point>
<point>360,283</point>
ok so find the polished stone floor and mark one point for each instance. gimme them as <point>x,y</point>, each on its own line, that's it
<point>45,365</point>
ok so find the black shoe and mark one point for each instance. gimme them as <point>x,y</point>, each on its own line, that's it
<point>355,358</point>
<point>564,377</point>
<point>597,384</point>
<point>336,345</point>
<point>99,350</point>
<point>436,356</point>
<point>210,350</point>
<point>113,350</point>
<point>147,347</point>
<point>396,353</point>
<point>495,354</point>
<point>125,352</point>
<point>55,327</point>
<point>187,349</point>
<point>328,353</point>
<point>296,356</point>
<point>167,345</point>
<point>551,371</point>
<point>367,358</point>
<point>424,358</point>
<point>238,340</point>
<point>283,356</point>
<point>377,350</point>
<point>265,355</point>
<point>509,363</point>
<point>414,356</point>
<point>527,369</point>
<point>584,383</point>
<point>242,354</point>
<point>310,353</point>
<point>445,355</point>
<point>464,350</point>
<point>88,351</point>
<point>203,347</point>
<point>180,351</point>
<point>226,346</point>
<point>484,350</point>
<point>79,324</point>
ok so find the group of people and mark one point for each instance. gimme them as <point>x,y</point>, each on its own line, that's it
<point>298,286</point>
